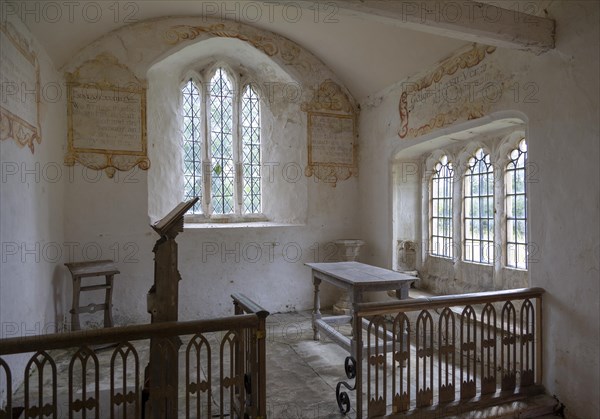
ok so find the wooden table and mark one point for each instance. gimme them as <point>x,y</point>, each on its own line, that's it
<point>356,278</point>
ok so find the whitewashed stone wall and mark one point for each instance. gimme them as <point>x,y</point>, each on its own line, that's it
<point>264,261</point>
<point>562,132</point>
<point>34,288</point>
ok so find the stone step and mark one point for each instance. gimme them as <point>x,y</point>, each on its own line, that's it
<point>541,406</point>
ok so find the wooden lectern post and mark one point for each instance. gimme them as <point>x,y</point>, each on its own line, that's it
<point>162,373</point>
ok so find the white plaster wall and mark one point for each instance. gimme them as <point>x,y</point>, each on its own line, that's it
<point>265,263</point>
<point>563,132</point>
<point>406,175</point>
<point>34,292</point>
<point>282,121</point>
<point>108,219</point>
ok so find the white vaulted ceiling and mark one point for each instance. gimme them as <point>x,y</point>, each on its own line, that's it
<point>366,54</point>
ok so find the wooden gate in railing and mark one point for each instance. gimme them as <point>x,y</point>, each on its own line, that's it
<point>448,354</point>
<point>224,369</point>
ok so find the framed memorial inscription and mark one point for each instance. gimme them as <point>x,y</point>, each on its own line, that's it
<point>20,81</point>
<point>332,148</point>
<point>332,142</point>
<point>107,120</point>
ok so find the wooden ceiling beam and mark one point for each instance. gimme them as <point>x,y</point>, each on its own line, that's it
<point>461,19</point>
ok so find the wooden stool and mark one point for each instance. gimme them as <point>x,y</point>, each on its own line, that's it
<point>81,270</point>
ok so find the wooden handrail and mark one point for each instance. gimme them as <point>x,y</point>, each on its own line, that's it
<point>125,333</point>
<point>249,306</point>
<point>425,303</point>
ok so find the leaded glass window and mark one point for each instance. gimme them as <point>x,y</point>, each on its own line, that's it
<point>251,158</point>
<point>516,208</point>
<point>221,143</point>
<point>192,144</point>
<point>441,209</point>
<point>479,209</point>
<point>230,177</point>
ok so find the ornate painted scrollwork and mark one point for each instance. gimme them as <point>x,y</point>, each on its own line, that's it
<point>329,97</point>
<point>449,67</point>
<point>180,33</point>
<point>19,114</point>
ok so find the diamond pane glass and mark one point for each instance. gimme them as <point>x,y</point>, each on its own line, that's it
<point>516,208</point>
<point>251,157</point>
<point>221,143</point>
<point>479,209</point>
<point>192,145</point>
<point>441,204</point>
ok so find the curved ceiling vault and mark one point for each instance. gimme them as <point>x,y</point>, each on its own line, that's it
<point>142,45</point>
<point>365,54</point>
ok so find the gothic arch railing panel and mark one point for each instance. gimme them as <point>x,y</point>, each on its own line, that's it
<point>508,348</point>
<point>527,344</point>
<point>424,361</point>
<point>401,371</point>
<point>488,350</point>
<point>231,373</point>
<point>88,400</point>
<point>36,366</point>
<point>6,411</point>
<point>377,366</point>
<point>446,356</point>
<point>438,342</point>
<point>128,393</point>
<point>468,353</point>
<point>198,375</point>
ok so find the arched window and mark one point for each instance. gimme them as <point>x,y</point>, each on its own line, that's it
<point>479,209</point>
<point>192,144</point>
<point>251,156</point>
<point>441,209</point>
<point>516,208</point>
<point>229,152</point>
<point>221,143</point>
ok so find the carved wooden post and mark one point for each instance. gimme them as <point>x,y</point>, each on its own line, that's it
<point>162,373</point>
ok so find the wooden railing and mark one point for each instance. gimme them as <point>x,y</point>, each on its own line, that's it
<point>255,352</point>
<point>108,383</point>
<point>448,354</point>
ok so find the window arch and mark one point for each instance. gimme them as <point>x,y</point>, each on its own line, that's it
<point>479,209</point>
<point>442,209</point>
<point>222,163</point>
<point>490,220</point>
<point>516,207</point>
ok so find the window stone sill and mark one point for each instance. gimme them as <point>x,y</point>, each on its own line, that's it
<point>243,224</point>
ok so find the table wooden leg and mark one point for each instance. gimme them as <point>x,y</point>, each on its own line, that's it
<point>317,308</point>
<point>355,297</point>
<point>108,320</point>
<point>402,293</point>
<point>75,306</point>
